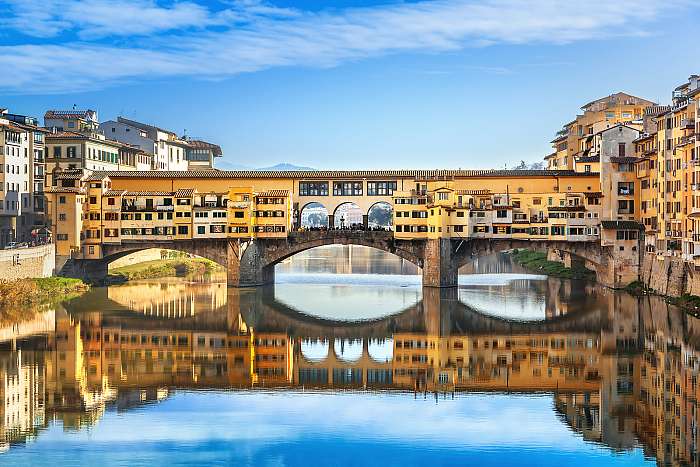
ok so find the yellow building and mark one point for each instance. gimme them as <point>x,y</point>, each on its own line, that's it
<point>575,140</point>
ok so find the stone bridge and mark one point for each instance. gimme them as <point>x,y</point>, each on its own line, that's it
<point>252,262</point>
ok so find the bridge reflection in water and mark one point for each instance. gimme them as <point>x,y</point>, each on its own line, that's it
<point>621,373</point>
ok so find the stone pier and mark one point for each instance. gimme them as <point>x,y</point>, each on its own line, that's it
<point>439,267</point>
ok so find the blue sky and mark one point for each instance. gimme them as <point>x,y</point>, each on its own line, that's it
<point>345,428</point>
<point>346,84</point>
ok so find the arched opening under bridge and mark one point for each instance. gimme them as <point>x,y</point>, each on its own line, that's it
<point>380,216</point>
<point>348,215</point>
<point>313,216</point>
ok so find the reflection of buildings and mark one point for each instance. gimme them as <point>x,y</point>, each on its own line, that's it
<point>621,375</point>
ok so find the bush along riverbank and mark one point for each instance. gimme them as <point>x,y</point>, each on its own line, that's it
<point>687,302</point>
<point>538,262</point>
<point>25,292</point>
<point>178,267</point>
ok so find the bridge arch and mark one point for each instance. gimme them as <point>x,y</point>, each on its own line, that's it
<point>348,350</point>
<point>314,215</point>
<point>314,350</point>
<point>347,214</point>
<point>592,255</point>
<point>211,250</point>
<point>298,242</point>
<point>380,214</point>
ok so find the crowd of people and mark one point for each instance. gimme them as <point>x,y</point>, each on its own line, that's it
<point>360,227</point>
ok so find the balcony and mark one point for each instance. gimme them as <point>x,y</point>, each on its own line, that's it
<point>687,123</point>
<point>684,140</point>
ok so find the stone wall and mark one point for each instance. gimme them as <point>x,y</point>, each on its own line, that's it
<point>22,263</point>
<point>670,276</point>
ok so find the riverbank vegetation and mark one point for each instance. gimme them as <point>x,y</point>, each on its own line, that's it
<point>180,266</point>
<point>537,262</point>
<point>25,292</point>
<point>687,302</point>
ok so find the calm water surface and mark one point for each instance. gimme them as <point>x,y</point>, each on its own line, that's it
<point>348,361</point>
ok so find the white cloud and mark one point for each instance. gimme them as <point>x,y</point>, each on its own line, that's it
<point>93,19</point>
<point>186,39</point>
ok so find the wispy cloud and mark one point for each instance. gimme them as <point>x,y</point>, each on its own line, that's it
<point>119,40</point>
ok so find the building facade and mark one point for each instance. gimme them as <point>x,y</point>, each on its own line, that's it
<point>22,171</point>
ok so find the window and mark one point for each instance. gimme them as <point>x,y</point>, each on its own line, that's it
<point>201,229</point>
<point>61,217</point>
<point>57,151</point>
<point>501,213</point>
<point>627,235</point>
<point>71,152</point>
<point>313,188</point>
<point>61,200</point>
<point>183,229</point>
<point>625,188</point>
<point>625,206</point>
<point>347,188</point>
<point>381,188</point>
<point>621,149</point>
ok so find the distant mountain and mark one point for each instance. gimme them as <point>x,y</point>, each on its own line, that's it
<point>225,165</point>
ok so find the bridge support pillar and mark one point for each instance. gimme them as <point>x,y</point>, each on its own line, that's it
<point>245,265</point>
<point>331,221</point>
<point>439,269</point>
<point>365,221</point>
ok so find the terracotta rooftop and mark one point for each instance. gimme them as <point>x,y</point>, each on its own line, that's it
<point>67,114</point>
<point>623,160</point>
<point>62,189</point>
<point>148,193</point>
<point>114,193</point>
<point>595,158</point>
<point>274,193</point>
<point>336,174</point>
<point>184,192</point>
<point>199,144</point>
<point>627,225</point>
<point>473,192</point>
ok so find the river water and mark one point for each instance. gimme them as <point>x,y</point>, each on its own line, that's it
<point>347,360</point>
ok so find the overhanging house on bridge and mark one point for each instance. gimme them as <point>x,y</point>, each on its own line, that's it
<point>250,220</point>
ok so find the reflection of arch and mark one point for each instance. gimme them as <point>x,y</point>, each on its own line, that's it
<point>314,350</point>
<point>346,214</point>
<point>376,220</point>
<point>319,219</point>
<point>381,350</point>
<point>348,350</point>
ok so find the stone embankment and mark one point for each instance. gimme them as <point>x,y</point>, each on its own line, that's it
<point>668,276</point>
